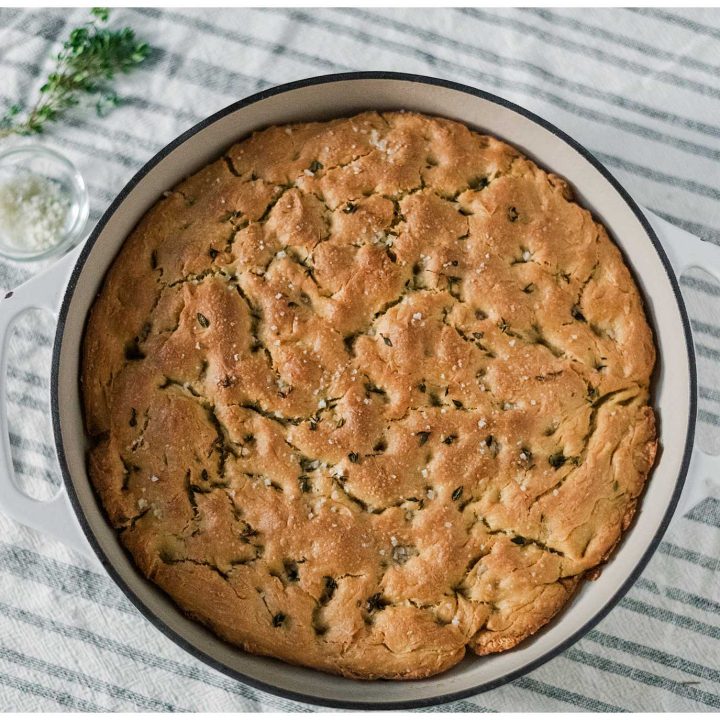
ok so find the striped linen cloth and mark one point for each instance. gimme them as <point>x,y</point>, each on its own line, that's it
<point>639,88</point>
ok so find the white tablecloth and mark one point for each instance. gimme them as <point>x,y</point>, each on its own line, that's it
<point>640,89</point>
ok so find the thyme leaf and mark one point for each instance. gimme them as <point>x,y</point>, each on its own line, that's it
<point>89,60</point>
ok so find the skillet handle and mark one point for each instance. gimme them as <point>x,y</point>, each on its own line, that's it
<point>685,251</point>
<point>54,517</point>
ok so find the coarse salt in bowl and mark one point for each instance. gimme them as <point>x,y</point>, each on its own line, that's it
<point>43,203</point>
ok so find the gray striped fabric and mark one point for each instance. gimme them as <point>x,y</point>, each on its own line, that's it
<point>639,88</point>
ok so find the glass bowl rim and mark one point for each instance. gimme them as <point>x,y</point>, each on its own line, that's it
<point>79,195</point>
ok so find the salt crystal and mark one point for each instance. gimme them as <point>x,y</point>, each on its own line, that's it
<point>376,142</point>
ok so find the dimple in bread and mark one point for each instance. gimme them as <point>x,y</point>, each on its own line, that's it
<point>366,394</point>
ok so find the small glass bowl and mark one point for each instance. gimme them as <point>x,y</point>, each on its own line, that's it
<point>43,161</point>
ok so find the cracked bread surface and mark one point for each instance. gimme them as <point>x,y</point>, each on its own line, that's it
<point>367,393</point>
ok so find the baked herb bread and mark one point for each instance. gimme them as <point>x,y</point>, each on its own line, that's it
<point>366,393</point>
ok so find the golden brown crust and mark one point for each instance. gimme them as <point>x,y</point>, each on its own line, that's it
<point>368,392</point>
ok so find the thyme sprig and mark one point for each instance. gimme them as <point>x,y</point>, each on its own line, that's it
<point>89,60</point>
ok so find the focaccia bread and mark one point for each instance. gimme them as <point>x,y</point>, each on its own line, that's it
<point>367,393</point>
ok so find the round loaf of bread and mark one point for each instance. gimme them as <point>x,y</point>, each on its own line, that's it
<point>368,393</point>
